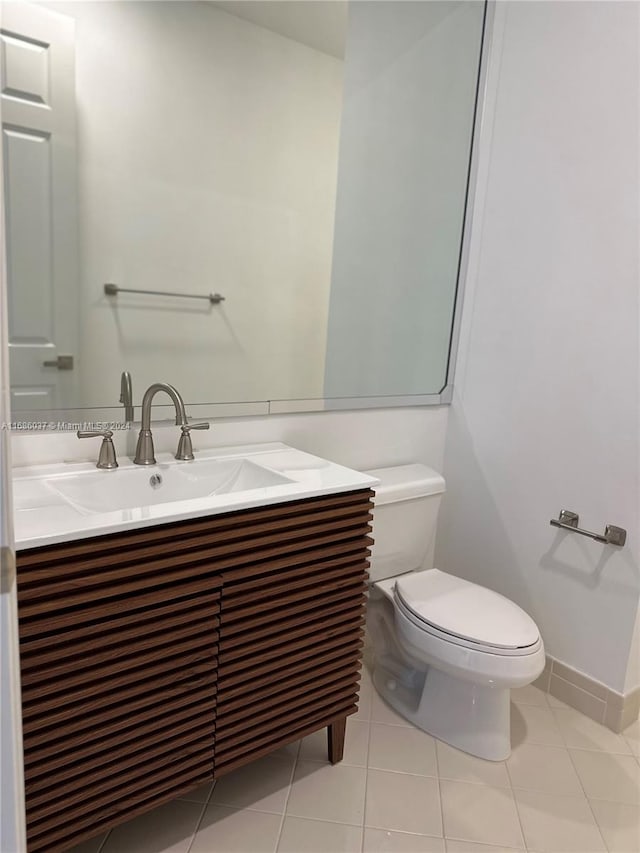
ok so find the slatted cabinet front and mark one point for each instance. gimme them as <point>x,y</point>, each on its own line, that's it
<point>118,641</point>
<point>292,627</point>
<point>154,660</point>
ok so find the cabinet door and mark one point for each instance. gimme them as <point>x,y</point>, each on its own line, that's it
<point>292,626</point>
<point>118,638</point>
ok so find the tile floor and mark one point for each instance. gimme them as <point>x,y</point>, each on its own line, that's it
<point>570,786</point>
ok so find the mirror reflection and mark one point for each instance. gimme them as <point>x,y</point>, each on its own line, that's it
<point>273,192</point>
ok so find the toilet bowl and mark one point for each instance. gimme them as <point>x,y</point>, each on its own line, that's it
<point>446,652</point>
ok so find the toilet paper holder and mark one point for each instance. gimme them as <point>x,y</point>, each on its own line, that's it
<point>612,535</point>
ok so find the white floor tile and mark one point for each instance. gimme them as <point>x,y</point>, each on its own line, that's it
<point>479,813</point>
<point>389,781</point>
<point>632,736</point>
<point>403,802</point>
<point>529,695</point>
<point>167,829</point>
<point>543,768</point>
<point>328,792</point>
<point>454,846</point>
<point>608,777</point>
<point>383,713</point>
<point>461,767</point>
<point>199,795</point>
<point>619,824</point>
<point>406,750</point>
<point>300,835</point>
<point>534,724</point>
<point>387,841</point>
<point>93,845</point>
<point>289,751</point>
<point>262,785</point>
<point>557,824</point>
<point>580,732</point>
<point>225,830</point>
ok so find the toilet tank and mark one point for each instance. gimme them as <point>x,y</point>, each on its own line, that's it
<point>404,519</point>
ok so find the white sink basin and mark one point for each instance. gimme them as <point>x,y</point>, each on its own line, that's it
<point>108,491</point>
<point>62,501</point>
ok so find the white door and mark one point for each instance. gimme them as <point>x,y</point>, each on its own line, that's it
<point>39,142</point>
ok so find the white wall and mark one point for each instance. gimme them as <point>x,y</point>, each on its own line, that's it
<point>410,81</point>
<point>545,412</point>
<point>207,162</point>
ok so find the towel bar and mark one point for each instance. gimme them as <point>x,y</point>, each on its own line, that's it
<point>114,290</point>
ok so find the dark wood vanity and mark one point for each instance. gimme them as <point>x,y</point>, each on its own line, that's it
<point>157,659</point>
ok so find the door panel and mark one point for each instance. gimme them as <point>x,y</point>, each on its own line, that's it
<point>39,150</point>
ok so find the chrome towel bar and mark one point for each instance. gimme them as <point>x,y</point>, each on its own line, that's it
<point>114,290</point>
<point>612,535</point>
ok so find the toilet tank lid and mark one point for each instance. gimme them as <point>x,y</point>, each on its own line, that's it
<point>404,482</point>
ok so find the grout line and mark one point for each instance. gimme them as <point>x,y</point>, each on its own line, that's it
<point>593,814</point>
<point>366,773</point>
<point>328,820</point>
<point>104,841</point>
<point>286,802</point>
<point>395,725</point>
<point>423,776</point>
<point>435,746</point>
<point>519,816</point>
<point>472,782</point>
<point>615,802</point>
<point>197,826</point>
<point>506,767</point>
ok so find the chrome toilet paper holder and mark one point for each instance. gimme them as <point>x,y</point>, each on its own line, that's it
<point>612,535</point>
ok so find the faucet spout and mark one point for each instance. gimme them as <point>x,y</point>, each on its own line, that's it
<point>126,396</point>
<point>145,454</point>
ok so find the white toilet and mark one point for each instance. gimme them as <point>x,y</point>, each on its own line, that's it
<point>446,651</point>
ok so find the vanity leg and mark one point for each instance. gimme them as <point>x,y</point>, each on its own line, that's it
<point>335,739</point>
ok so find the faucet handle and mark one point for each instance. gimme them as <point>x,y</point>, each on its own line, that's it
<point>107,456</point>
<point>185,448</point>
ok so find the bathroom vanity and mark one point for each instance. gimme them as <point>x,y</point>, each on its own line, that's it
<point>163,646</point>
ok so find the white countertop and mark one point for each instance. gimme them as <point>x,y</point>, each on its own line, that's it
<point>44,517</point>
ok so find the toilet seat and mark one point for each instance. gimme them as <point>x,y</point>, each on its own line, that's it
<point>465,614</point>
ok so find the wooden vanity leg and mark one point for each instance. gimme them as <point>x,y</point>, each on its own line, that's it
<point>335,739</point>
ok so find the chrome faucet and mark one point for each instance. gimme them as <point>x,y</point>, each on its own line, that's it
<point>144,450</point>
<point>126,396</point>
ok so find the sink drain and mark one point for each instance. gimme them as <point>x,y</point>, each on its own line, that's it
<point>155,480</point>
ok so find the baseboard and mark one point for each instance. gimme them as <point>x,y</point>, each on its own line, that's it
<point>592,698</point>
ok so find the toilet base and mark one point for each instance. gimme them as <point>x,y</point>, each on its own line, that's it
<point>468,716</point>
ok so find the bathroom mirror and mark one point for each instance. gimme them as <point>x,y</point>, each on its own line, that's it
<point>306,161</point>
